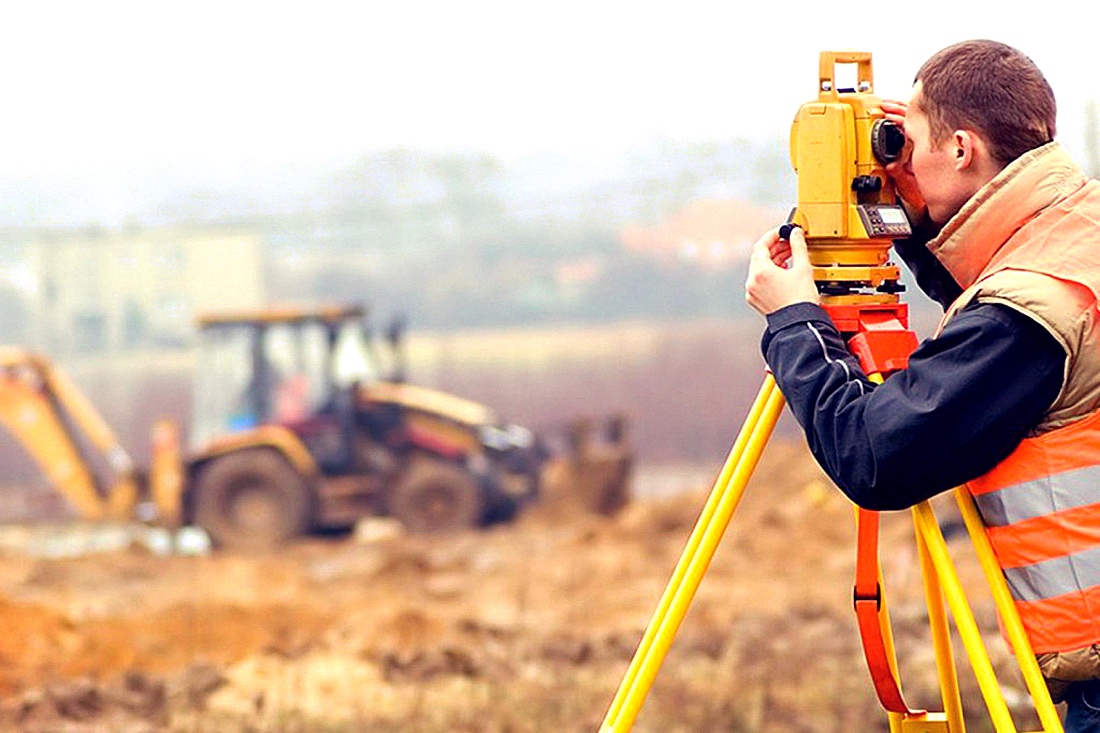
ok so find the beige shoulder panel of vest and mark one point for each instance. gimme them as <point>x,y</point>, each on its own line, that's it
<point>1068,312</point>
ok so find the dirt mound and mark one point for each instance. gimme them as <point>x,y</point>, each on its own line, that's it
<point>524,627</point>
<point>35,640</point>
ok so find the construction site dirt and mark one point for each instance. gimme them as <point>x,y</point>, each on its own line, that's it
<point>519,628</point>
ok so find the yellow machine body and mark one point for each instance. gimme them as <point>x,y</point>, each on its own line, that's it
<point>842,186</point>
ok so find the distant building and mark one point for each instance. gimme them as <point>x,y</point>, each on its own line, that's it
<point>99,291</point>
<point>713,233</point>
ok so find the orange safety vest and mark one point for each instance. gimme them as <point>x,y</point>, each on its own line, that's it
<point>1041,504</point>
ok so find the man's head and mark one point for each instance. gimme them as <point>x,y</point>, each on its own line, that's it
<point>976,107</point>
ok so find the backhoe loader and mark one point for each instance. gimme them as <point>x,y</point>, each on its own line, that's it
<point>293,429</point>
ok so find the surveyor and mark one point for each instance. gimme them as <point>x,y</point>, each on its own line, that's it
<point>1005,397</point>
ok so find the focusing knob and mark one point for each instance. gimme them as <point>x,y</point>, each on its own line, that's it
<point>866,184</point>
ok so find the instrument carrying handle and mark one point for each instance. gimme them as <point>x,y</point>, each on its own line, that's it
<point>828,61</point>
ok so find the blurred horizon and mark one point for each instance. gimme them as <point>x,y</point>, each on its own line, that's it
<point>448,240</point>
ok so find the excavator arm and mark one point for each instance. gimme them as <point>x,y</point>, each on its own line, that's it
<point>46,413</point>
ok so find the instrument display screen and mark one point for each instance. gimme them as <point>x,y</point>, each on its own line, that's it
<point>885,221</point>
<point>892,216</point>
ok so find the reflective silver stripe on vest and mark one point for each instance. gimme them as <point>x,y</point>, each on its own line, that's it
<point>1068,490</point>
<point>1055,577</point>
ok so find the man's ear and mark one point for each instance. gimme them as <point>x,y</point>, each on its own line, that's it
<point>969,148</point>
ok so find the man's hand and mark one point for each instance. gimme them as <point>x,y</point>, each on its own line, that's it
<point>900,170</point>
<point>780,273</point>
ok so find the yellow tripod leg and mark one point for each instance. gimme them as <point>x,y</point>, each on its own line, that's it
<point>941,640</point>
<point>1014,627</point>
<point>964,618</point>
<point>695,559</point>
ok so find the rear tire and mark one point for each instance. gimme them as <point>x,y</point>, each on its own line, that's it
<point>434,497</point>
<point>252,499</point>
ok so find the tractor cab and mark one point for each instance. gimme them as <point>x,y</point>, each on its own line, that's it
<point>277,367</point>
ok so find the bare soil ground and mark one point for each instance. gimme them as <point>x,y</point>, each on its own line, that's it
<point>522,628</point>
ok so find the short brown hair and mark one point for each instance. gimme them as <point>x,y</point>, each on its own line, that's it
<point>992,89</point>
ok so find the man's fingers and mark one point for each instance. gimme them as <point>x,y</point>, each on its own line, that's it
<point>761,254</point>
<point>800,253</point>
<point>895,112</point>
<point>780,273</point>
<point>906,184</point>
<point>898,118</point>
<point>762,250</point>
<point>894,107</point>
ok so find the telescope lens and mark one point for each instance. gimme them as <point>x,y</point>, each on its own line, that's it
<point>887,141</point>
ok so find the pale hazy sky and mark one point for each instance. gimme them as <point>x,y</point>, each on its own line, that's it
<point>223,84</point>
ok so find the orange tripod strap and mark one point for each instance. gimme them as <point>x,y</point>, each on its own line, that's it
<point>867,598</point>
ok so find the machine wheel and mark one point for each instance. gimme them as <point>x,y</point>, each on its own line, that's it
<point>252,499</point>
<point>437,497</point>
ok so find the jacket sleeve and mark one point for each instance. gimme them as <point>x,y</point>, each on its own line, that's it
<point>963,404</point>
<point>931,276</point>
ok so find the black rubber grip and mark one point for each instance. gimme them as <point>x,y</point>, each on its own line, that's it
<point>785,231</point>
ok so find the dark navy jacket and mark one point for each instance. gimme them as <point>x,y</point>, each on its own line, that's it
<point>966,400</point>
